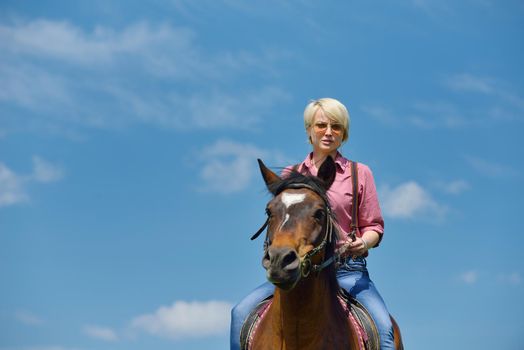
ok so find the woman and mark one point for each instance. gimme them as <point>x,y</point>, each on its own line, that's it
<point>327,125</point>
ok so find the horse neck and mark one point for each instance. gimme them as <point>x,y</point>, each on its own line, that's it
<point>310,311</point>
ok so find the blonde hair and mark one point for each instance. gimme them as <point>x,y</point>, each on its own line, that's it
<point>333,109</point>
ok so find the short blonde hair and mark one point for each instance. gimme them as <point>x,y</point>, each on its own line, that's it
<point>333,109</point>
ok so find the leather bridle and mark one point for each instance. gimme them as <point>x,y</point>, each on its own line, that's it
<point>306,266</point>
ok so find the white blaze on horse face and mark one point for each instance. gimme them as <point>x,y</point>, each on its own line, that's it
<point>292,198</point>
<point>284,222</point>
<point>289,199</point>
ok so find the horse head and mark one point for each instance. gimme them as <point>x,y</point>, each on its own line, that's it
<point>301,234</point>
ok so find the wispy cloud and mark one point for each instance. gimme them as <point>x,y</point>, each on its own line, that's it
<point>40,347</point>
<point>469,277</point>
<point>102,333</point>
<point>511,278</point>
<point>186,319</point>
<point>430,6</point>
<point>13,186</point>
<point>381,114</point>
<point>500,102</point>
<point>184,86</point>
<point>470,83</point>
<point>44,171</point>
<point>490,168</point>
<point>453,187</point>
<point>229,166</point>
<point>409,200</point>
<point>28,318</point>
<point>505,102</point>
<point>65,42</point>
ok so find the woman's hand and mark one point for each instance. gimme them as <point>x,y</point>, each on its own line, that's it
<point>357,247</point>
<point>360,245</point>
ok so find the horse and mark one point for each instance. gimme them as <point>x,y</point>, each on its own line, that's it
<point>306,311</point>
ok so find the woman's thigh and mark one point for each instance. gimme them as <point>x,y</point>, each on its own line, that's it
<point>256,296</point>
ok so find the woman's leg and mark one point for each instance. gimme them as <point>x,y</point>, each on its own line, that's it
<point>240,312</point>
<point>354,278</point>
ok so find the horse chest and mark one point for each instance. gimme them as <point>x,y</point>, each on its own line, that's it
<point>312,333</point>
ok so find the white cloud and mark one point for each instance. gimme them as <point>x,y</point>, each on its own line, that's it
<point>454,187</point>
<point>499,103</point>
<point>381,114</point>
<point>469,277</point>
<point>229,166</point>
<point>43,347</point>
<point>204,110</point>
<point>28,318</point>
<point>470,83</point>
<point>434,114</point>
<point>63,41</point>
<point>490,168</point>
<point>186,319</point>
<point>504,102</point>
<point>102,333</point>
<point>184,85</point>
<point>45,171</point>
<point>409,200</point>
<point>13,185</point>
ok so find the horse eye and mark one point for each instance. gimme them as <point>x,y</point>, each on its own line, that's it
<point>319,214</point>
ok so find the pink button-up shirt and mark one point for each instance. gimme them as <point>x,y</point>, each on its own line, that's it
<point>340,196</point>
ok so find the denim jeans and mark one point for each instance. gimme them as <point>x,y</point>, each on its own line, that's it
<point>353,276</point>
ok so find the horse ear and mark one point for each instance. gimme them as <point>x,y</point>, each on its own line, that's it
<point>269,176</point>
<point>327,172</point>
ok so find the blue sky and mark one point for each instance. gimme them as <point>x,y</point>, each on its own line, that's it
<point>128,179</point>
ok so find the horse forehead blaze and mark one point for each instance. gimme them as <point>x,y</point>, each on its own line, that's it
<point>288,199</point>
<point>291,204</point>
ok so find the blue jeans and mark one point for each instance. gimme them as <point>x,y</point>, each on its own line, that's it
<point>353,276</point>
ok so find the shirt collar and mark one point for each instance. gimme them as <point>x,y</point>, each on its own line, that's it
<point>340,161</point>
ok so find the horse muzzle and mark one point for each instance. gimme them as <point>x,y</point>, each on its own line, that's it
<point>283,267</point>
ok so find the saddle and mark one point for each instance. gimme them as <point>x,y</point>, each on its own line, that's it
<point>356,312</point>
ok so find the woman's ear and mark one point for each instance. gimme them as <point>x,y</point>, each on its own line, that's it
<point>269,176</point>
<point>327,172</point>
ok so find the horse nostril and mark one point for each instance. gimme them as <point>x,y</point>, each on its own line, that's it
<point>290,260</point>
<point>266,260</point>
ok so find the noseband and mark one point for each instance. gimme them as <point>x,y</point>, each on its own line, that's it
<point>306,266</point>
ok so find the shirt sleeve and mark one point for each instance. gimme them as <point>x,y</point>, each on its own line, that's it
<point>370,215</point>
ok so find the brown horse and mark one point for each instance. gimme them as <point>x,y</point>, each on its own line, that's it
<point>306,311</point>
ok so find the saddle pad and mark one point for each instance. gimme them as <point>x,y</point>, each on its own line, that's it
<point>253,320</point>
<point>363,318</point>
<point>356,312</point>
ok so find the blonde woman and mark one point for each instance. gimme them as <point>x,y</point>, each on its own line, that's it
<point>327,126</point>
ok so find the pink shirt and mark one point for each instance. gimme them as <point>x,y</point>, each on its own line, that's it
<point>340,196</point>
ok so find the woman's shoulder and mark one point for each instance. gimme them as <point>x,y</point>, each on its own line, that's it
<point>364,171</point>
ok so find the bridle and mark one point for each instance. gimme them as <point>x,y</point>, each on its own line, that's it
<point>306,266</point>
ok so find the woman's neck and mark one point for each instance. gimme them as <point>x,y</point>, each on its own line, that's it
<point>319,157</point>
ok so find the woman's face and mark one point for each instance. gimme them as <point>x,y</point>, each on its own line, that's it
<point>325,135</point>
